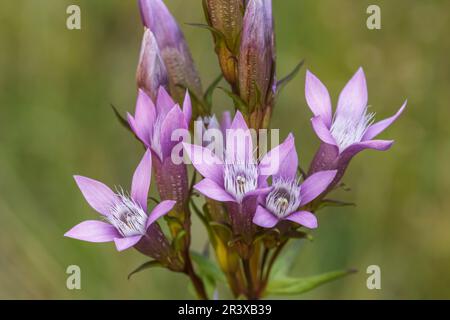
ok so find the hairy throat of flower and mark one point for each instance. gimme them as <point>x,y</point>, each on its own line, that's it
<point>348,128</point>
<point>239,179</point>
<point>284,199</point>
<point>127,217</point>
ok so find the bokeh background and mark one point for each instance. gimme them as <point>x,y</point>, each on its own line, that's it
<point>56,87</point>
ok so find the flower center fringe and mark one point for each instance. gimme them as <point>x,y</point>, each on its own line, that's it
<point>239,179</point>
<point>128,217</point>
<point>284,199</point>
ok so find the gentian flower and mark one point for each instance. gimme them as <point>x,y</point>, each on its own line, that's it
<point>127,222</point>
<point>151,72</point>
<point>350,130</point>
<point>288,195</point>
<point>154,126</point>
<point>173,47</point>
<point>238,179</point>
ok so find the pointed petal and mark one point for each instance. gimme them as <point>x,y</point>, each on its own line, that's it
<point>239,141</point>
<point>187,108</point>
<point>93,231</point>
<point>160,210</point>
<point>145,113</point>
<point>212,190</point>
<point>289,166</point>
<point>264,218</point>
<point>380,126</point>
<point>205,162</point>
<point>127,242</point>
<point>353,98</point>
<point>304,218</point>
<point>322,131</point>
<point>173,121</point>
<point>271,163</point>
<point>318,98</point>
<point>142,135</point>
<point>239,122</point>
<point>262,191</point>
<point>164,102</point>
<point>315,184</point>
<point>141,180</point>
<point>351,151</point>
<point>98,195</point>
<point>226,121</point>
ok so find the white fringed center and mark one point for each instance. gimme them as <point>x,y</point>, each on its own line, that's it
<point>240,178</point>
<point>284,199</point>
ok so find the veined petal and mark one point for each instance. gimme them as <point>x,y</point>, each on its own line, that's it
<point>322,131</point>
<point>160,210</point>
<point>353,98</point>
<point>212,190</point>
<point>304,218</point>
<point>272,162</point>
<point>205,162</point>
<point>380,126</point>
<point>315,184</point>
<point>127,242</point>
<point>187,108</point>
<point>239,122</point>
<point>93,231</point>
<point>318,98</point>
<point>145,113</point>
<point>142,135</point>
<point>141,180</point>
<point>98,195</point>
<point>239,141</point>
<point>264,218</point>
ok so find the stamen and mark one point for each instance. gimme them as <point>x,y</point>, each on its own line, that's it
<point>240,178</point>
<point>127,216</point>
<point>348,129</point>
<point>284,199</point>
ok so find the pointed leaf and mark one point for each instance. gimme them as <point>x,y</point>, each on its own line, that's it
<point>334,203</point>
<point>283,82</point>
<point>238,102</point>
<point>295,286</point>
<point>121,119</point>
<point>210,90</point>
<point>147,265</point>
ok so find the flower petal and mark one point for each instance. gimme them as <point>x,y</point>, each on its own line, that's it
<point>264,218</point>
<point>263,191</point>
<point>304,218</point>
<point>127,242</point>
<point>318,98</point>
<point>212,190</point>
<point>164,102</point>
<point>98,195</point>
<point>141,180</point>
<point>353,98</point>
<point>315,184</point>
<point>93,231</point>
<point>239,141</point>
<point>173,121</point>
<point>160,210</point>
<point>142,135</point>
<point>187,108</point>
<point>380,126</point>
<point>271,163</point>
<point>322,131</point>
<point>351,151</point>
<point>205,162</point>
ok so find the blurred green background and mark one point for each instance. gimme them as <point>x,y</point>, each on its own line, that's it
<point>56,86</point>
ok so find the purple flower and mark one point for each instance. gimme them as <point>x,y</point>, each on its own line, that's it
<point>154,126</point>
<point>350,130</point>
<point>173,47</point>
<point>288,195</point>
<point>239,175</point>
<point>126,220</point>
<point>151,72</point>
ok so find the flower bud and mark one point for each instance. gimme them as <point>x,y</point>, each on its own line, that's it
<point>257,61</point>
<point>226,17</point>
<point>151,72</point>
<point>173,48</point>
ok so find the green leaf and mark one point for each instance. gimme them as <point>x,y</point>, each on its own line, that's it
<point>121,119</point>
<point>283,82</point>
<point>147,265</point>
<point>334,203</point>
<point>210,90</point>
<point>208,272</point>
<point>178,241</point>
<point>238,102</point>
<point>286,260</point>
<point>294,286</point>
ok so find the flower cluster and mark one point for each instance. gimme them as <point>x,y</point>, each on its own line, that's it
<point>253,202</point>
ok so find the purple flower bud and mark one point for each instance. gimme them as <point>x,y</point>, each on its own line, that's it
<point>173,48</point>
<point>257,52</point>
<point>151,72</point>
